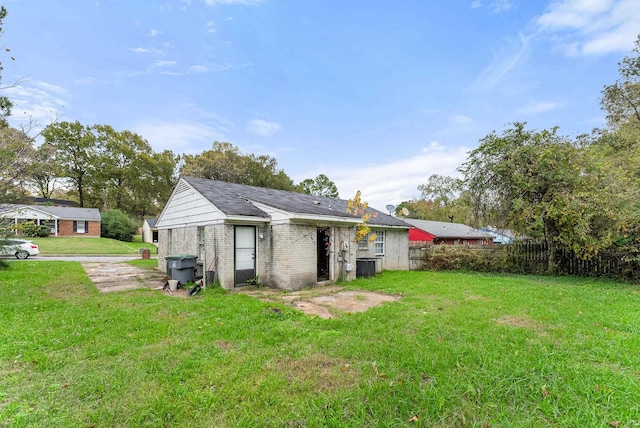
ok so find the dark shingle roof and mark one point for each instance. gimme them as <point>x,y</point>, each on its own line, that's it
<point>232,199</point>
<point>151,222</point>
<point>443,229</point>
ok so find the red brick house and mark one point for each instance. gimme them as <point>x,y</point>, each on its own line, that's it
<point>63,221</point>
<point>441,232</point>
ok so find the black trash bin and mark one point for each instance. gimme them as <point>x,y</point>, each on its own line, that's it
<point>365,268</point>
<point>181,267</point>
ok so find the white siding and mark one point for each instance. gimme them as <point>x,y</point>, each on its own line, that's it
<point>187,207</point>
<point>28,214</point>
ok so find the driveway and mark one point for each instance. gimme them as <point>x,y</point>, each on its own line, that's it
<point>109,273</point>
<point>109,276</point>
<point>84,259</point>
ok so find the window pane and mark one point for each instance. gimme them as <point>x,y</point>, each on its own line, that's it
<point>379,242</point>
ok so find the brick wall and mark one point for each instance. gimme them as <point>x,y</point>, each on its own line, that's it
<point>286,254</point>
<point>65,228</point>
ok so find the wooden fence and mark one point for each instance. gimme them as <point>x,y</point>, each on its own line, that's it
<point>529,258</point>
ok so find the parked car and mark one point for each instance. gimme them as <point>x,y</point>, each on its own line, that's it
<point>18,247</point>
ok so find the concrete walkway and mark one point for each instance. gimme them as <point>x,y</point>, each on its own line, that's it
<point>109,276</point>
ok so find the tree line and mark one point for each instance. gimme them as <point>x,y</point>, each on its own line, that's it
<point>580,194</point>
<point>100,167</point>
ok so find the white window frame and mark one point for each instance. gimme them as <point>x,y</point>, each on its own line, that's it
<point>379,243</point>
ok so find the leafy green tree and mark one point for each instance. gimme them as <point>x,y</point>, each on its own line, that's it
<point>12,154</point>
<point>123,160</point>
<point>117,225</point>
<point>621,100</point>
<point>5,103</point>
<point>319,186</point>
<point>76,153</point>
<point>442,198</point>
<point>16,155</point>
<point>152,186</point>
<point>542,186</point>
<point>43,174</point>
<point>224,162</point>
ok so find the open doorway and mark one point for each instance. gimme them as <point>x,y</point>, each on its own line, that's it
<point>324,249</point>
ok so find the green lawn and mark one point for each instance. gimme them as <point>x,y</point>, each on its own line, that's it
<point>464,350</point>
<point>59,245</point>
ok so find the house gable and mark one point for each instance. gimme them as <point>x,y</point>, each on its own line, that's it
<point>24,212</point>
<point>188,206</point>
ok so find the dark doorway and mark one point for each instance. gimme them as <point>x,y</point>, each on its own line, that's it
<point>324,246</point>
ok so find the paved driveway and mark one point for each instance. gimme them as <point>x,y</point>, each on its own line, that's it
<point>109,274</point>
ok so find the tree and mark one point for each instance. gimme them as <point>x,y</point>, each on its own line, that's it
<point>16,154</point>
<point>358,207</point>
<point>320,186</point>
<point>5,103</point>
<point>152,186</point>
<point>43,174</point>
<point>224,162</point>
<point>76,153</point>
<point>542,186</point>
<point>621,100</point>
<point>123,160</point>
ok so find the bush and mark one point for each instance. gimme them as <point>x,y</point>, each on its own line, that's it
<point>462,257</point>
<point>117,225</point>
<point>33,230</point>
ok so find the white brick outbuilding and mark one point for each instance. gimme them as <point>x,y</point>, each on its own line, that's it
<point>287,240</point>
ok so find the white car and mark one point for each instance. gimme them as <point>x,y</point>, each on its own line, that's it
<point>18,247</point>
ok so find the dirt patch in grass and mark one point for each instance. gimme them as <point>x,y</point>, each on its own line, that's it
<point>325,302</point>
<point>519,321</point>
<point>316,372</point>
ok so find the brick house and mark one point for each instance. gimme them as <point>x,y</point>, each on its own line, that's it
<point>442,232</point>
<point>62,221</point>
<point>288,240</point>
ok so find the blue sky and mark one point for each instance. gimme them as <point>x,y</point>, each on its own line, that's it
<point>377,95</point>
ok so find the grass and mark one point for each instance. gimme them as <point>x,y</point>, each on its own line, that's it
<point>69,246</point>
<point>457,350</point>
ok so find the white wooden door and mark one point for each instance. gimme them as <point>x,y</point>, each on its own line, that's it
<point>245,254</point>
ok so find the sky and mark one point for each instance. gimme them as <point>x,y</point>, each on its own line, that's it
<point>377,95</point>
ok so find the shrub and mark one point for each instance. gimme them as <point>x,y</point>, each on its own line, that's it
<point>117,225</point>
<point>33,230</point>
<point>462,257</point>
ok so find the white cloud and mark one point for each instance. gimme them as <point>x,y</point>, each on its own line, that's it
<point>154,32</point>
<point>163,64</point>
<point>262,127</point>
<point>90,81</point>
<point>141,50</point>
<point>537,107</point>
<point>496,6</point>
<point>460,119</point>
<point>396,181</point>
<point>198,69</point>
<point>36,102</point>
<point>502,64</point>
<point>591,27</point>
<point>180,136</point>
<point>500,6</point>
